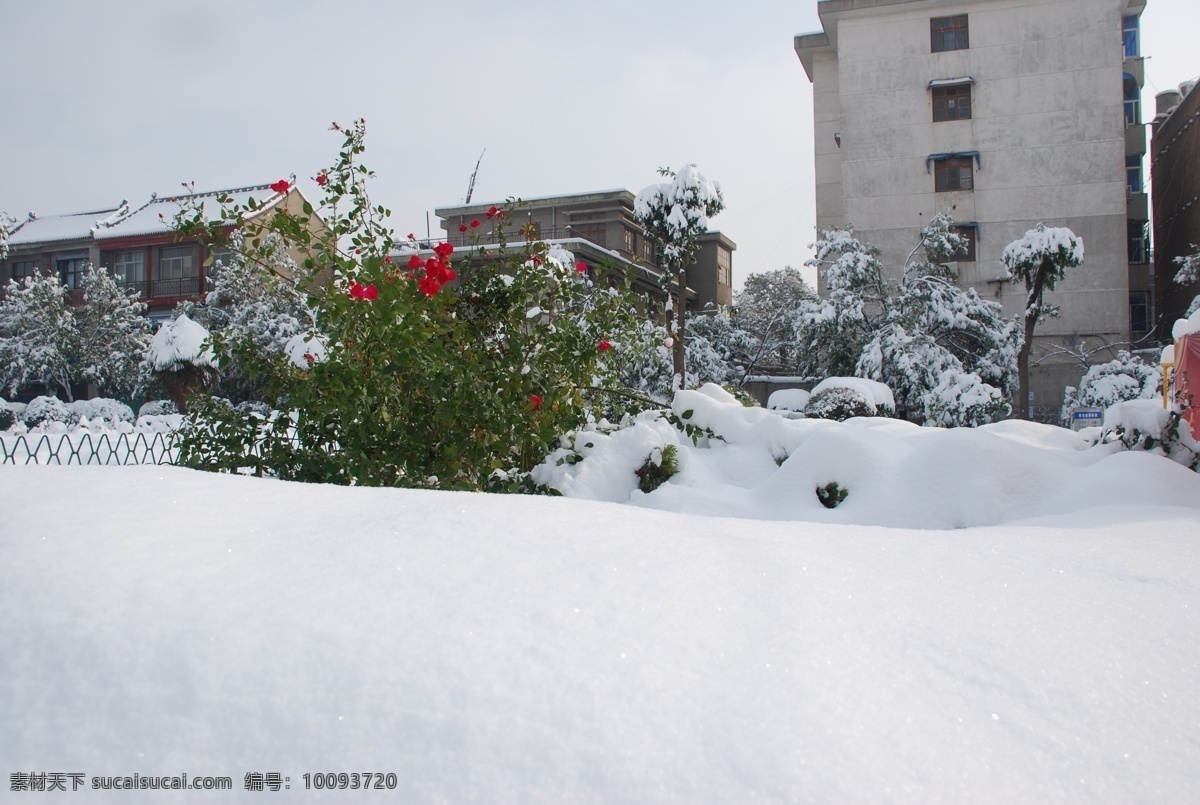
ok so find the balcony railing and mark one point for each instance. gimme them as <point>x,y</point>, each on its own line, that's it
<point>187,286</point>
<point>544,233</point>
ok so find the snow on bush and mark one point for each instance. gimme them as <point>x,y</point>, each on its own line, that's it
<point>48,409</point>
<point>157,408</point>
<point>963,400</point>
<point>7,416</point>
<point>838,404</point>
<point>749,462</point>
<point>102,409</point>
<point>877,394</point>
<point>788,399</point>
<point>1126,377</point>
<point>1147,425</point>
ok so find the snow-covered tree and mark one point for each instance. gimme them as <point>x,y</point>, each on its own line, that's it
<point>7,222</point>
<point>1187,273</point>
<point>767,310</point>
<point>921,335</point>
<point>253,309</point>
<point>1127,377</point>
<point>1038,260</point>
<point>181,356</point>
<point>113,334</point>
<point>675,214</point>
<point>39,336</point>
<point>716,349</point>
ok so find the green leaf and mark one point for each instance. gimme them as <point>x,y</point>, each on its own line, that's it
<point>687,414</point>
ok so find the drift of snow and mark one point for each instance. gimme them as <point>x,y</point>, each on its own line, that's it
<point>788,399</point>
<point>177,343</point>
<point>758,464</point>
<point>508,649</point>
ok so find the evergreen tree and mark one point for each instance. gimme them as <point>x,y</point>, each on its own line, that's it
<point>767,309</point>
<point>1038,260</point>
<point>113,334</point>
<point>948,355</point>
<point>675,214</point>
<point>39,337</point>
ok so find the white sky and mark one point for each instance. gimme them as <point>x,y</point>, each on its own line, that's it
<point>115,100</point>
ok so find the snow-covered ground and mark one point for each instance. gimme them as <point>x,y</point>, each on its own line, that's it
<point>499,649</point>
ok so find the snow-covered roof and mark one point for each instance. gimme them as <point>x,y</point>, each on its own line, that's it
<point>69,226</point>
<point>950,82</point>
<point>157,216</point>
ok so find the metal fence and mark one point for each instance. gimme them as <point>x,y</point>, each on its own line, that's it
<point>89,448</point>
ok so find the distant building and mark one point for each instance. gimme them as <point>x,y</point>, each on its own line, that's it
<point>1006,114</point>
<point>1175,185</point>
<point>138,246</point>
<point>599,227</point>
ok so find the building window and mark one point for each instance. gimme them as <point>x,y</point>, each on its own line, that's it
<point>1139,251</point>
<point>948,33</point>
<point>1133,101</point>
<point>724,266</point>
<point>223,256</point>
<point>1133,173</point>
<point>630,241</point>
<point>1133,47</point>
<point>952,103</point>
<point>129,267</point>
<point>953,173</point>
<point>70,271</point>
<point>588,216</point>
<point>969,234</point>
<point>178,273</point>
<point>1141,311</point>
<point>24,268</point>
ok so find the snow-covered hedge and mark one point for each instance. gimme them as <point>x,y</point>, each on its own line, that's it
<point>788,400</point>
<point>48,409</point>
<point>1147,425</point>
<point>157,408</point>
<point>838,404</point>
<point>102,408</point>
<point>1127,377</point>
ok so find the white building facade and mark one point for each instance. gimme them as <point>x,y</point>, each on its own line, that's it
<point>1007,113</point>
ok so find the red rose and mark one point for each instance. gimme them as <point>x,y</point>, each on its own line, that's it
<point>475,223</point>
<point>309,358</point>
<point>462,227</point>
<point>415,261</point>
<point>370,293</point>
<point>281,186</point>
<point>603,346</point>
<point>535,402</point>
<point>580,267</point>
<point>388,259</point>
<point>443,249</point>
<point>322,178</point>
<point>493,211</point>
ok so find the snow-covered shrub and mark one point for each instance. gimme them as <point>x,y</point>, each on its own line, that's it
<point>48,409</point>
<point>962,400</point>
<point>157,408</point>
<point>661,464</point>
<point>7,417</point>
<point>831,494</point>
<point>39,336</point>
<point>104,409</point>
<point>788,400</point>
<point>1127,377</point>
<point>839,404</point>
<point>113,334</point>
<point>879,395</point>
<point>1146,425</point>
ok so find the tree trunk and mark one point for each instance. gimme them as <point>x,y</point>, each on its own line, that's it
<point>1033,303</point>
<point>679,352</point>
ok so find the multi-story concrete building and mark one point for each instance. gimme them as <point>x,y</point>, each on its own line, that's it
<point>1005,114</point>
<point>601,227</point>
<point>1175,186</point>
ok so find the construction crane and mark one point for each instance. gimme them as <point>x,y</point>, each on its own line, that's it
<point>471,186</point>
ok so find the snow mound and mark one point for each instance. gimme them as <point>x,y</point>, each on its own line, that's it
<point>752,463</point>
<point>876,393</point>
<point>788,399</point>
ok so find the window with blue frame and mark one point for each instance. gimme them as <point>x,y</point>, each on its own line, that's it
<point>1133,101</point>
<point>1133,173</point>
<point>1133,48</point>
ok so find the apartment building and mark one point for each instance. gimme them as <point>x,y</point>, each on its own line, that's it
<point>1005,114</point>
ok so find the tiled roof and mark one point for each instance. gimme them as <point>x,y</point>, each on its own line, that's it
<point>157,216</point>
<point>57,228</point>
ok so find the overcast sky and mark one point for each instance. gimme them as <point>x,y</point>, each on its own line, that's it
<point>111,100</point>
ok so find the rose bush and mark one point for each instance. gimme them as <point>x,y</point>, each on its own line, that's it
<point>442,368</point>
